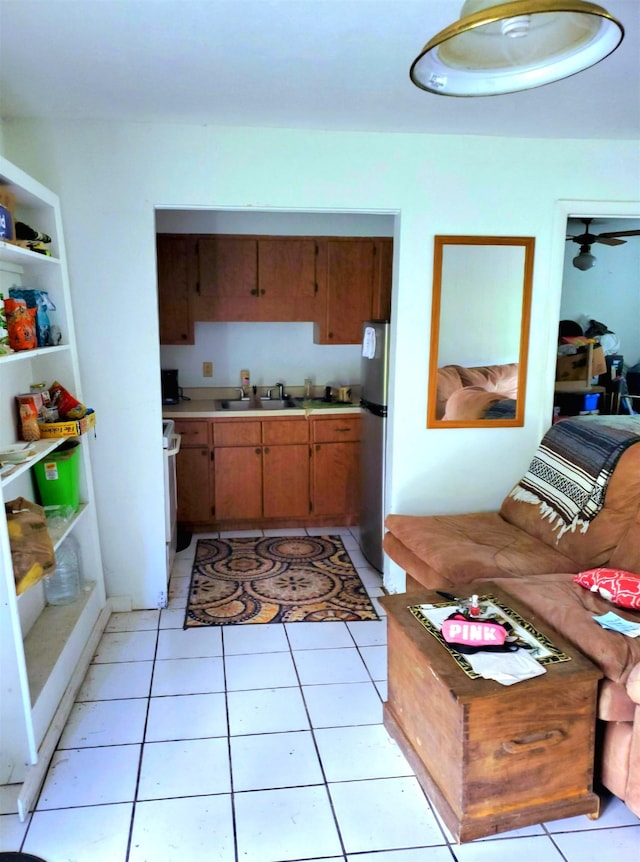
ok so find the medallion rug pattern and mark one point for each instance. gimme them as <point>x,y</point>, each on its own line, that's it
<point>275,580</point>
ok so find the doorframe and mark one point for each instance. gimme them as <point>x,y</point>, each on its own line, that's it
<point>565,209</point>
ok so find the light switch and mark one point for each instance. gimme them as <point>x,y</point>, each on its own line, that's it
<point>207,369</point>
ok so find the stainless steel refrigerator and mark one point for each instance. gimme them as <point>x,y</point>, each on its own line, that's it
<point>374,377</point>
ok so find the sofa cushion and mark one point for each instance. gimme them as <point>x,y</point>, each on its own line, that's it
<point>617,586</point>
<point>595,546</point>
<point>568,608</point>
<point>442,550</point>
<point>448,382</point>
<point>493,378</point>
<point>470,403</point>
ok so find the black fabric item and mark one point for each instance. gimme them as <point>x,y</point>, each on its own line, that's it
<point>183,541</point>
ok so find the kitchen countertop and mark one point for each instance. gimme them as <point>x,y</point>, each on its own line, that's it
<point>206,409</point>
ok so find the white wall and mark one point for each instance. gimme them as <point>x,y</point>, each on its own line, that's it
<point>112,177</point>
<point>272,352</point>
<point>610,291</point>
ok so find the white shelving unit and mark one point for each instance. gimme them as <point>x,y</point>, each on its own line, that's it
<point>44,650</point>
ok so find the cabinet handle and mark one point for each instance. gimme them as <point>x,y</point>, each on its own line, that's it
<point>330,334</point>
<point>257,451</point>
<point>254,291</point>
<point>342,430</point>
<point>266,450</point>
<point>262,292</point>
<point>533,741</point>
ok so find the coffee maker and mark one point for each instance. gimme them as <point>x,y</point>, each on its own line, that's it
<point>170,386</point>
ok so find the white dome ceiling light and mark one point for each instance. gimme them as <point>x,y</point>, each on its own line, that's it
<point>498,48</point>
<point>584,259</point>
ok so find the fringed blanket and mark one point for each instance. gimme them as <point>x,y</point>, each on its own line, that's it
<point>569,474</point>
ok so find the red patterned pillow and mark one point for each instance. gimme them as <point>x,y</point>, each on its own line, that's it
<point>619,587</point>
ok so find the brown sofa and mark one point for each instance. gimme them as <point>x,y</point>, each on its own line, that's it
<point>467,393</point>
<point>519,550</point>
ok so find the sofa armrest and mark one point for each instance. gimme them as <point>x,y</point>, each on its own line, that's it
<point>633,684</point>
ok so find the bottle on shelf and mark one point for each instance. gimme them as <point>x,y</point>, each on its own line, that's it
<point>62,586</point>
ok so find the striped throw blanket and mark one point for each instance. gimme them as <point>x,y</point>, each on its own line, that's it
<point>569,474</point>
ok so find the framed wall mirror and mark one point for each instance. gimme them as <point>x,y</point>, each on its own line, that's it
<point>479,331</point>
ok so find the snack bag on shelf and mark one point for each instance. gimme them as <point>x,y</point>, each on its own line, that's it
<point>21,324</point>
<point>31,546</point>
<point>68,406</point>
<point>39,300</point>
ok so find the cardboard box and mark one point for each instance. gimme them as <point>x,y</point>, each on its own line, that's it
<point>7,215</point>
<point>67,429</point>
<point>574,367</point>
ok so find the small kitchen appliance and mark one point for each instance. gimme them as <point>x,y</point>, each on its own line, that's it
<point>170,386</point>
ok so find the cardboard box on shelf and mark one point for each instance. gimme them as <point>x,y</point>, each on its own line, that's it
<point>575,366</point>
<point>72,428</point>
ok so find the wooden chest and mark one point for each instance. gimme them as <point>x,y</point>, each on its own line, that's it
<point>490,757</point>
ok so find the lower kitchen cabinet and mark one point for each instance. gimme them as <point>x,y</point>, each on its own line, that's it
<point>335,468</point>
<point>261,469</point>
<point>193,472</point>
<point>238,482</point>
<point>194,484</point>
<point>253,473</point>
<point>285,471</point>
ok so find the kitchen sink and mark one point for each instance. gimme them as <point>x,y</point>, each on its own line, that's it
<point>276,403</point>
<point>233,404</point>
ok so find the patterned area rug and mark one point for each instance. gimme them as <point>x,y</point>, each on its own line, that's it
<point>275,580</point>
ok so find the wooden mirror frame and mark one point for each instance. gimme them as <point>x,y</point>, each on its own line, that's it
<point>526,280</point>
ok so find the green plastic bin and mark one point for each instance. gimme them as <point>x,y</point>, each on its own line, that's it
<point>58,476</point>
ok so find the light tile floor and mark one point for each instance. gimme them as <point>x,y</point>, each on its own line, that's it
<point>256,744</point>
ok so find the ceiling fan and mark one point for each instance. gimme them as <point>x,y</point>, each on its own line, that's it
<point>585,260</point>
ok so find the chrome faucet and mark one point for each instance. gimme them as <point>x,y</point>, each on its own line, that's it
<point>280,388</point>
<point>243,396</point>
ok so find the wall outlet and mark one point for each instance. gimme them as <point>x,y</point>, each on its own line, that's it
<point>207,369</point>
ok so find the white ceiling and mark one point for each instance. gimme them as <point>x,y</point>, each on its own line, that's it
<point>319,64</point>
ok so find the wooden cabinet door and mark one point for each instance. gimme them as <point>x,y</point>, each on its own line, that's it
<point>193,479</point>
<point>287,283</point>
<point>238,482</point>
<point>383,277</point>
<point>336,479</point>
<point>286,481</point>
<point>348,273</point>
<point>177,277</point>
<point>228,278</point>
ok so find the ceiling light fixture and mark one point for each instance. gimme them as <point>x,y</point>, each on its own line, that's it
<point>584,260</point>
<point>498,48</point>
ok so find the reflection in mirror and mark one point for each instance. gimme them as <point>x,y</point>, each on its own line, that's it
<point>479,331</point>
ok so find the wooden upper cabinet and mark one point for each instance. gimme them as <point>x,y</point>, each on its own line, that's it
<point>287,282</point>
<point>177,277</point>
<point>228,278</point>
<point>383,277</point>
<point>348,269</point>
<point>263,279</point>
<point>334,282</point>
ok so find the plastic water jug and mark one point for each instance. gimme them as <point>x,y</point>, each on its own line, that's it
<point>62,586</point>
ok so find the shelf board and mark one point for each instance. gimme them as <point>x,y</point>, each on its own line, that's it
<point>43,447</point>
<point>31,354</point>
<point>76,517</point>
<point>48,637</point>
<point>24,256</point>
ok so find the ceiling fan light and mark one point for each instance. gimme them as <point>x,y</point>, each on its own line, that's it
<point>498,48</point>
<point>584,260</point>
